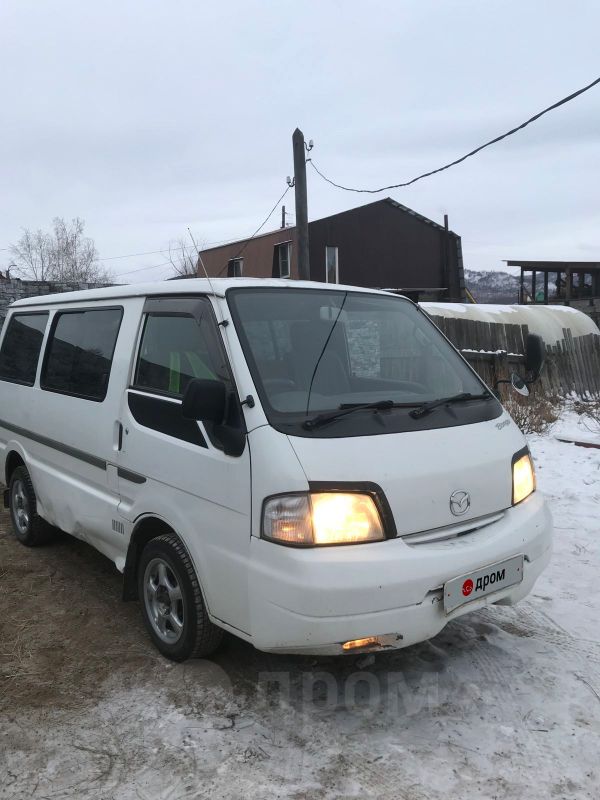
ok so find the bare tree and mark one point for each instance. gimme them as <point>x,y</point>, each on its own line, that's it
<point>32,255</point>
<point>184,258</point>
<point>65,254</point>
<point>75,257</point>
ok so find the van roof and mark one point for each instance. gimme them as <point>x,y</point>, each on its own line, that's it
<point>217,286</point>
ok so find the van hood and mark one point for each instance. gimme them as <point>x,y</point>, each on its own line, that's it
<point>418,472</point>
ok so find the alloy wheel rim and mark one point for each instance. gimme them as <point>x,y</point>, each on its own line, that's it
<point>20,507</point>
<point>163,600</point>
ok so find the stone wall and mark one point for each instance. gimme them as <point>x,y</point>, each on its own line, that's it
<point>12,289</point>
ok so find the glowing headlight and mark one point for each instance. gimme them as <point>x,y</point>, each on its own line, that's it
<point>322,518</point>
<point>523,477</point>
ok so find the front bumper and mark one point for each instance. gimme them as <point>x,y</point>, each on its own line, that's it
<point>312,600</point>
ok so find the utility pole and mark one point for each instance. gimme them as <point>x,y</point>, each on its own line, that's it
<point>283,216</point>
<point>301,204</point>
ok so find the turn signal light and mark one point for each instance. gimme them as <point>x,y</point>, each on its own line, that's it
<point>355,644</point>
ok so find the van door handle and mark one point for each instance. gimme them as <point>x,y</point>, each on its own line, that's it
<point>118,436</point>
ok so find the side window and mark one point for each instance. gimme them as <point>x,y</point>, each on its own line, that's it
<point>80,352</point>
<point>21,347</point>
<point>332,273</point>
<point>284,253</point>
<point>235,268</point>
<point>174,350</point>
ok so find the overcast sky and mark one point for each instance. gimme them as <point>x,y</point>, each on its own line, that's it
<point>144,117</point>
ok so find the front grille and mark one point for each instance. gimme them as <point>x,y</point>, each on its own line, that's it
<point>451,531</point>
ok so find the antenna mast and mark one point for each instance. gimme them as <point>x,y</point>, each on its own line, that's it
<point>223,321</point>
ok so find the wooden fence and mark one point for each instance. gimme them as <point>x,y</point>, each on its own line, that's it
<point>573,365</point>
<point>495,349</point>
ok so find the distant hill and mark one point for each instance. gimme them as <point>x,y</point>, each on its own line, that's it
<point>492,286</point>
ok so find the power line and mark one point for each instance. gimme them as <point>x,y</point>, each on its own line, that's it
<point>260,227</point>
<point>352,189</point>
<point>246,242</point>
<point>143,269</point>
<point>462,158</point>
<point>114,258</point>
<point>133,255</point>
<point>178,247</point>
<point>164,250</point>
<point>154,252</point>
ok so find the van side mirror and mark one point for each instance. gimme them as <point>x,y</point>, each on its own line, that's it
<point>519,385</point>
<point>535,354</point>
<point>205,400</point>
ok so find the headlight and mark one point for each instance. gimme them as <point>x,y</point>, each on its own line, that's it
<point>322,518</point>
<point>523,476</point>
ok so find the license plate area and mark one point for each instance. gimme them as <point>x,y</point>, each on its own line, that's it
<point>481,582</point>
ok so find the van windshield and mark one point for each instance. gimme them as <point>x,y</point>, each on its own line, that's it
<point>318,350</point>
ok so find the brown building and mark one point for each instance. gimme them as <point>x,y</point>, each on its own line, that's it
<point>381,245</point>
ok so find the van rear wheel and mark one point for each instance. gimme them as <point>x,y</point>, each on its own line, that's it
<point>172,604</point>
<point>29,528</point>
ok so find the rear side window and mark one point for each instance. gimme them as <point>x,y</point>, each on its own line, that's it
<point>80,351</point>
<point>21,348</point>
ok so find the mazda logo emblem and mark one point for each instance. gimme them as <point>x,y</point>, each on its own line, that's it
<point>460,502</point>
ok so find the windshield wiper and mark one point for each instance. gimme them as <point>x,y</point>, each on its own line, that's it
<point>418,409</point>
<point>425,408</point>
<point>323,419</point>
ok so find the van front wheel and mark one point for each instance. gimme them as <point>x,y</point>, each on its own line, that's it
<point>29,528</point>
<point>172,604</point>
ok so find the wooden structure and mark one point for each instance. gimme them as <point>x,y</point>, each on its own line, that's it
<point>558,281</point>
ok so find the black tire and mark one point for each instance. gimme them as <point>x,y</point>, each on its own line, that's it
<point>197,636</point>
<point>29,528</point>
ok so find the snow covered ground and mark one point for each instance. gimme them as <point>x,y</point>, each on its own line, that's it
<point>505,703</point>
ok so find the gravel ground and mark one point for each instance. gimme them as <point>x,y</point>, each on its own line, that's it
<point>504,703</point>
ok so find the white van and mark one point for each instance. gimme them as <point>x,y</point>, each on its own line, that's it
<point>313,468</point>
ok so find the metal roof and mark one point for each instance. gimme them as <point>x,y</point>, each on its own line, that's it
<point>395,204</point>
<point>420,217</point>
<point>554,266</point>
